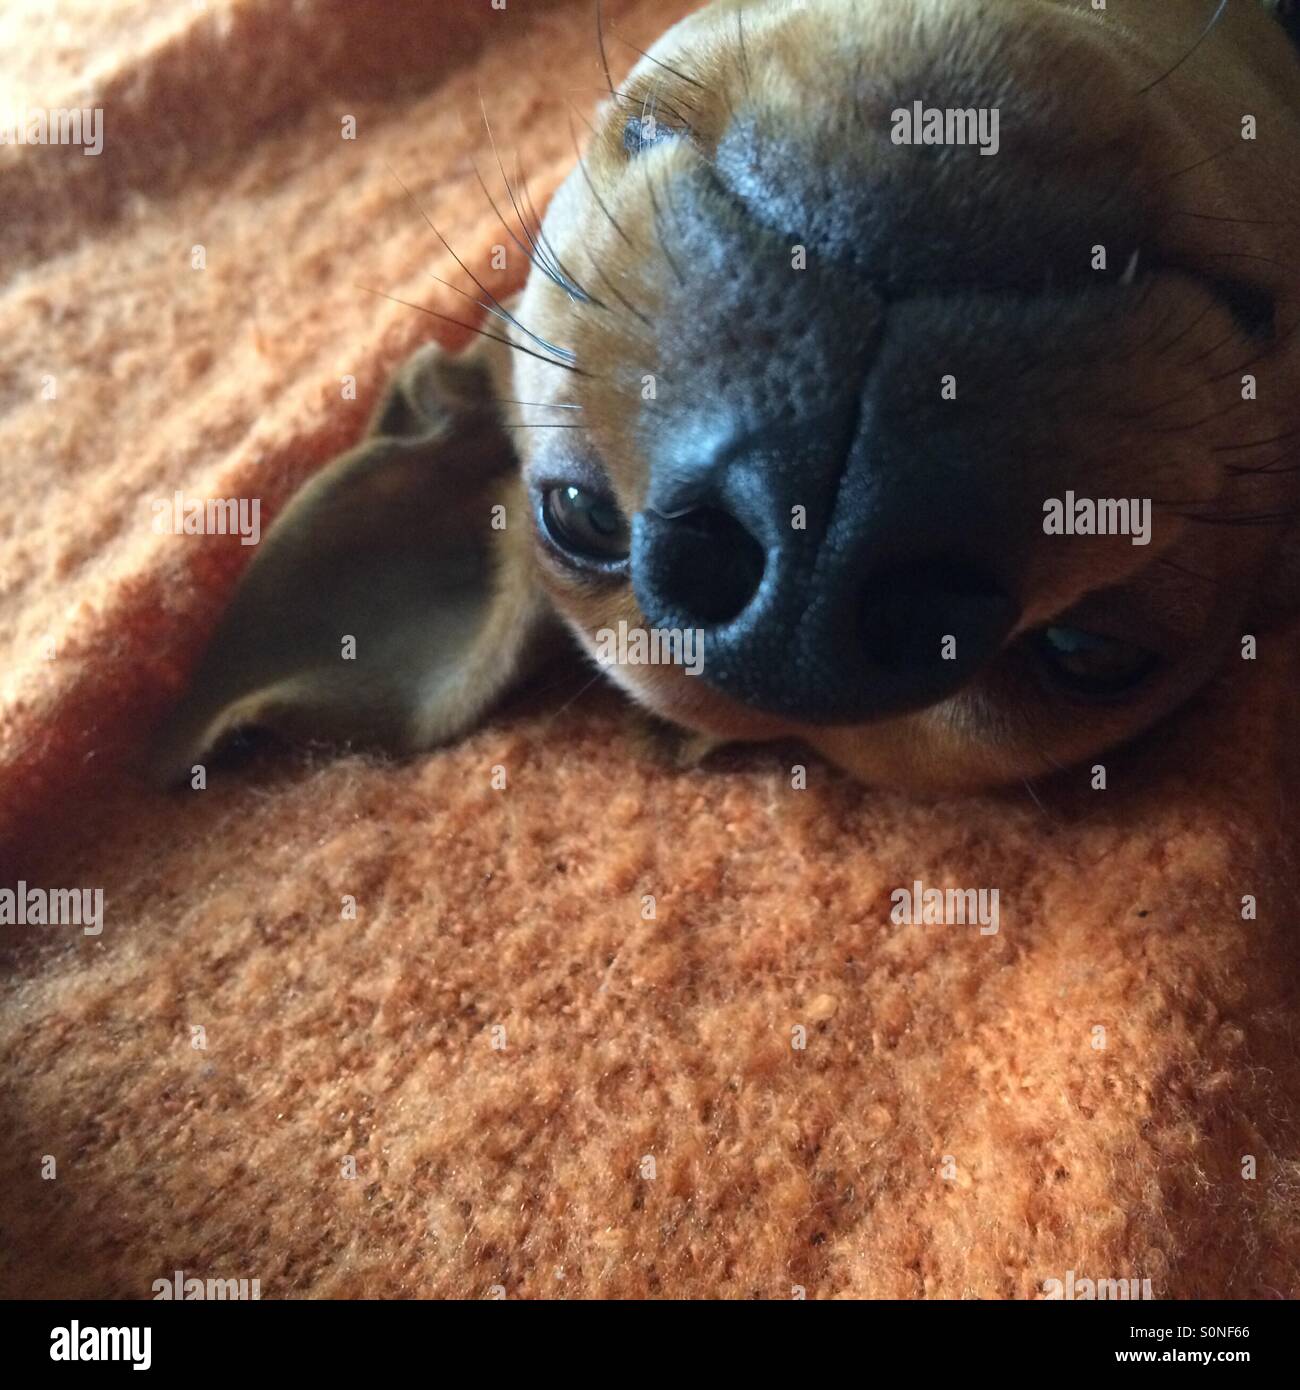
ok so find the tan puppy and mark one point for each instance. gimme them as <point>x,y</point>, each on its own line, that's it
<point>919,379</point>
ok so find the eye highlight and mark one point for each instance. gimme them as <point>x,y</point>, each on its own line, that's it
<point>587,528</point>
<point>1091,666</point>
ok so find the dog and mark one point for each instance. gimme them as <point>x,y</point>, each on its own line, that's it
<point>932,364</point>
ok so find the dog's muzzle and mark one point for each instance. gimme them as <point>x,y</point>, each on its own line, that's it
<point>851,549</point>
<point>851,534</point>
<point>831,585</point>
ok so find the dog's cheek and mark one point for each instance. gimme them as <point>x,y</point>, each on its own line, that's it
<point>936,751</point>
<point>683,698</point>
<point>673,692</point>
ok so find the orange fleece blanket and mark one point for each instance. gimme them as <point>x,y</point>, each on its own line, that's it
<point>494,1074</point>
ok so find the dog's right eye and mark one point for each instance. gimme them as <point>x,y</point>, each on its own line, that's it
<point>1091,666</point>
<point>585,526</point>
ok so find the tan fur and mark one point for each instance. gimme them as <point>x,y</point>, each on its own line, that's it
<point>1142,399</point>
<point>1003,726</point>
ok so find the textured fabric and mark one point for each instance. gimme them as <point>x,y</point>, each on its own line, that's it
<point>540,1088</point>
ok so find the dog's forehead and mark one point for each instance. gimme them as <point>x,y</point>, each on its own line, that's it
<point>748,60</point>
<point>726,31</point>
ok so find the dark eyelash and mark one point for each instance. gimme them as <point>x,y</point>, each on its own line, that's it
<point>1253,308</point>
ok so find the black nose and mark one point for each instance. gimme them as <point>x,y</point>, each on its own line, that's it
<point>926,629</point>
<point>880,602</point>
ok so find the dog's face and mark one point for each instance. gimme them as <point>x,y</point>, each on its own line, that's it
<point>852,393</point>
<point>831,384</point>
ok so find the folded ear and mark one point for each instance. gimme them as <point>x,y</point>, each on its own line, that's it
<point>393,599</point>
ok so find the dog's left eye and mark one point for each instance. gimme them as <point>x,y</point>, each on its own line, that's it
<point>1090,665</point>
<point>640,132</point>
<point>585,526</point>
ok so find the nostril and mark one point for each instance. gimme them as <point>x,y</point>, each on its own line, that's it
<point>923,616</point>
<point>702,565</point>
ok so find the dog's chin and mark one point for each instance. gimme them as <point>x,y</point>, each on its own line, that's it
<point>1004,727</point>
<point>1017,719</point>
<point>974,739</point>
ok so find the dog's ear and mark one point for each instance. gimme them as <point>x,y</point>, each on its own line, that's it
<point>393,600</point>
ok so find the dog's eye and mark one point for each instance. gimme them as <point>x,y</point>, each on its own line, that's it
<point>1254,309</point>
<point>1096,667</point>
<point>640,132</point>
<point>585,526</point>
